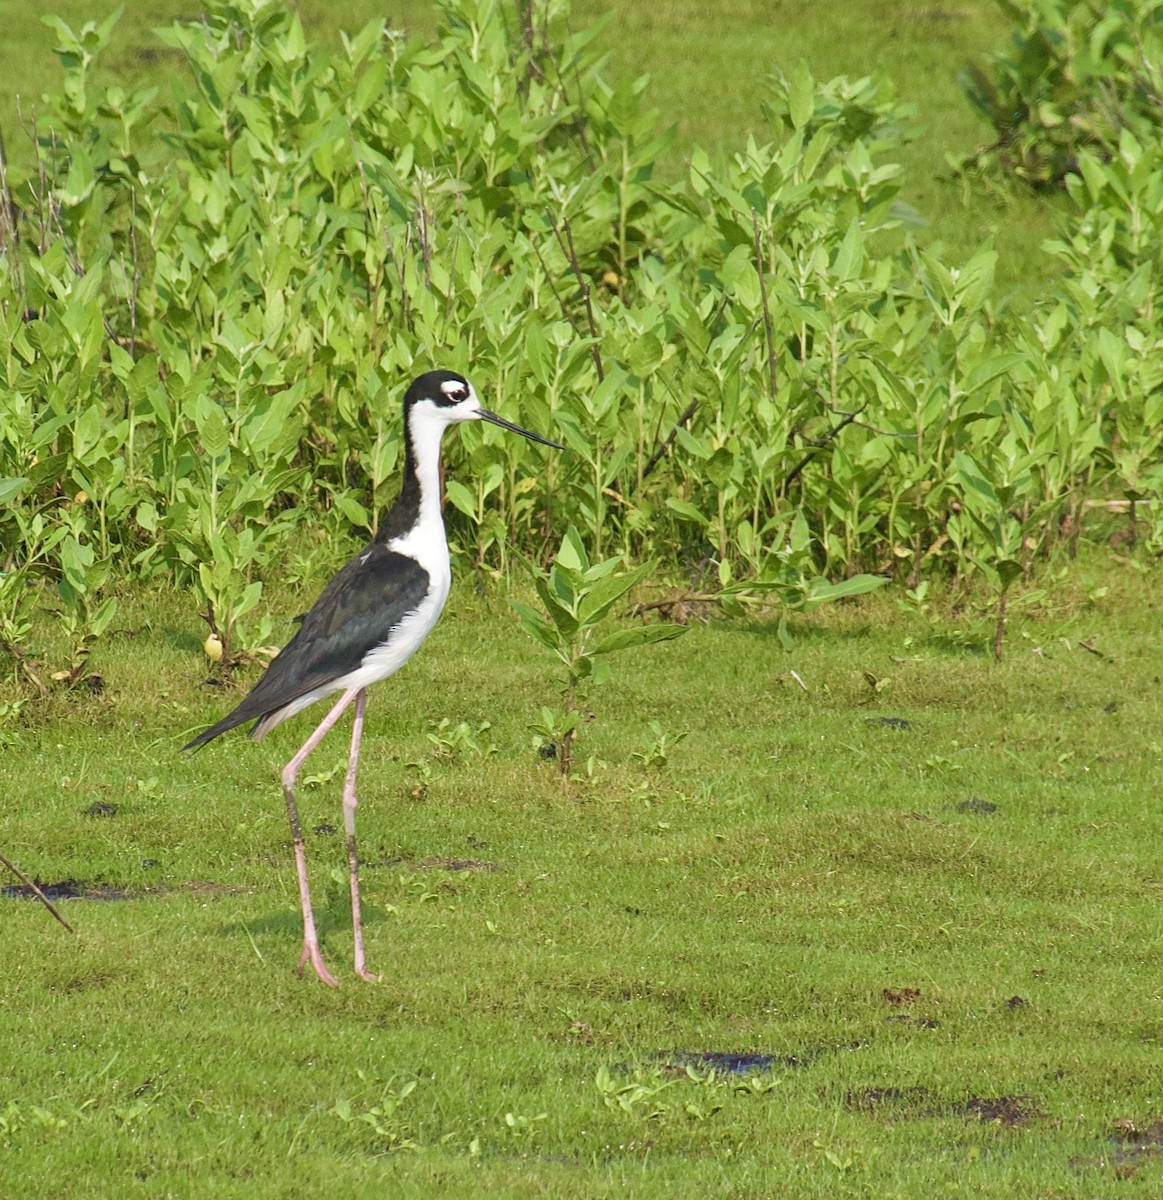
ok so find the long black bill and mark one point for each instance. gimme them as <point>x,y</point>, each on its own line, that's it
<point>493,419</point>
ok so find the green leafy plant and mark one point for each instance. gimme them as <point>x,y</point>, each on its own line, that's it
<point>1076,75</point>
<point>523,1129</point>
<point>86,615</point>
<point>578,595</point>
<point>656,748</point>
<point>454,740</point>
<point>389,1128</point>
<point>636,1096</point>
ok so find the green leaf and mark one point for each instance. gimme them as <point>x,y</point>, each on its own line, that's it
<point>599,599</point>
<point>801,98</point>
<point>102,616</point>
<point>11,488</point>
<point>719,466</point>
<point>535,624</point>
<point>572,554</point>
<point>370,86</point>
<point>639,635</point>
<point>248,599</point>
<point>80,179</point>
<point>685,509</point>
<point>1009,570</point>
<point>353,511</point>
<point>560,613</point>
<point>979,491</point>
<point>460,497</point>
<point>823,591</point>
<point>850,254</point>
<point>213,428</point>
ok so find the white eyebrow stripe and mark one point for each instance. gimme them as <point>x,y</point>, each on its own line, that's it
<point>452,387</point>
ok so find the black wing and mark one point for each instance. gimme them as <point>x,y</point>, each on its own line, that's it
<point>356,612</point>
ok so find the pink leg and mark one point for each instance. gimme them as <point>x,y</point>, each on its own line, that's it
<point>349,803</point>
<point>311,951</point>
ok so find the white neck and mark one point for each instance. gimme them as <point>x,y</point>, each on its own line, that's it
<point>426,430</point>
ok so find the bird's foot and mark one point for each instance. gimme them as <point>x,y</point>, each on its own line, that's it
<point>367,975</point>
<point>312,953</point>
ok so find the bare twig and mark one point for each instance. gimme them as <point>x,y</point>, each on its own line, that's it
<point>425,245</point>
<point>570,252</point>
<point>819,444</point>
<point>367,233</point>
<point>578,114</point>
<point>553,288</point>
<point>52,908</point>
<point>656,457</point>
<point>525,21</point>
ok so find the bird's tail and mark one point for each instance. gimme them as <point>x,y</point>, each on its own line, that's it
<point>230,721</point>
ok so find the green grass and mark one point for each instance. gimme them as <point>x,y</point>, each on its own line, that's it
<point>793,861</point>
<point>708,65</point>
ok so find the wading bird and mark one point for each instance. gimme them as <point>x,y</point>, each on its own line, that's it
<point>368,621</point>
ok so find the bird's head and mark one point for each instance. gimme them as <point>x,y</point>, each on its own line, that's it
<point>440,398</point>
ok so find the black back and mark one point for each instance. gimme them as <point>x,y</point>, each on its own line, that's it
<point>356,612</point>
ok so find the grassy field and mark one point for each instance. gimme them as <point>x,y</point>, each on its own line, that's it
<point>936,944</point>
<point>884,923</point>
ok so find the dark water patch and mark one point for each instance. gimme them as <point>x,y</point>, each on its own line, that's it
<point>900,997</point>
<point>725,1062</point>
<point>1144,1139</point>
<point>439,862</point>
<point>1010,1111</point>
<point>919,1103</point>
<point>95,889</point>
<point>436,862</point>
<point>66,889</point>
<point>981,808</point>
<point>870,1099</point>
<point>743,1062</point>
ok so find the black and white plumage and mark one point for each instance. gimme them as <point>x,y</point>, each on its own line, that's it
<point>368,621</point>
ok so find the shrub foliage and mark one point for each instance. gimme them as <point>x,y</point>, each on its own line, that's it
<point>213,300</point>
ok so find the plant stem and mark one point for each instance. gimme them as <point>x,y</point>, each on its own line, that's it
<point>1000,632</point>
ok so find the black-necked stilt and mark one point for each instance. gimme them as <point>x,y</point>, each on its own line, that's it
<point>369,620</point>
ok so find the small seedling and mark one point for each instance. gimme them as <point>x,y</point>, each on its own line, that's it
<point>455,741</point>
<point>523,1129</point>
<point>384,1119</point>
<point>638,1096</point>
<point>578,595</point>
<point>656,748</point>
